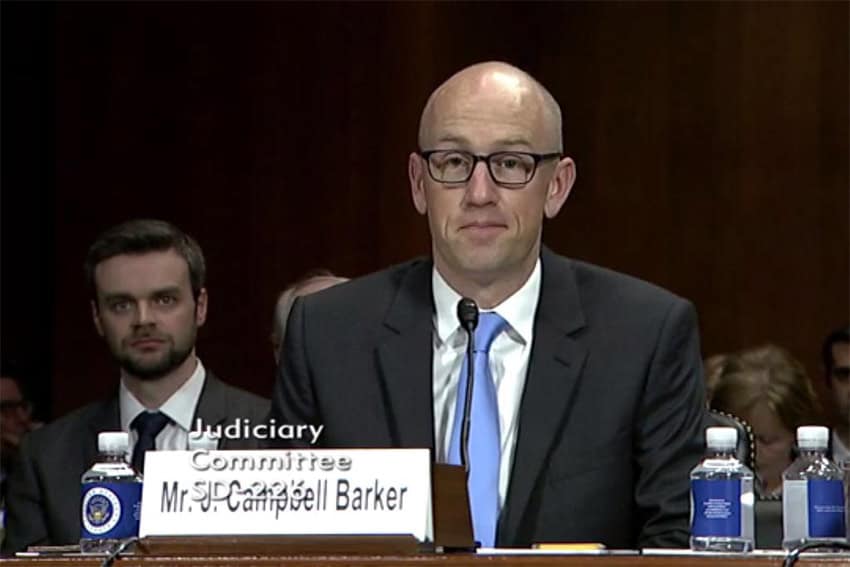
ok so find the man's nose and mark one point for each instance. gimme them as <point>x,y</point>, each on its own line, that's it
<point>480,189</point>
<point>144,313</point>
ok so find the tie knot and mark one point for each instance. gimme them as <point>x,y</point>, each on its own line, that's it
<point>150,423</point>
<point>490,324</point>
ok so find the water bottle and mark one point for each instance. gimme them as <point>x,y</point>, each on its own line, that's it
<point>812,493</point>
<point>112,496</point>
<point>722,497</point>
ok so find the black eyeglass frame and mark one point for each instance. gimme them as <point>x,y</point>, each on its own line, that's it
<point>426,154</point>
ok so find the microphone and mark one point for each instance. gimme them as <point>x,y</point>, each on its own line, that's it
<point>467,315</point>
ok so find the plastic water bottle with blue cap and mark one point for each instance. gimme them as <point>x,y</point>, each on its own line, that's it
<point>813,504</point>
<point>112,496</point>
<point>722,498</point>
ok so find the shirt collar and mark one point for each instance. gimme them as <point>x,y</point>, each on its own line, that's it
<point>518,309</point>
<point>180,407</point>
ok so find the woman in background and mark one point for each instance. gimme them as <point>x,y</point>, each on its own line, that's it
<point>769,389</point>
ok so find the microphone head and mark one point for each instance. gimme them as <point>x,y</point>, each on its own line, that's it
<point>467,313</point>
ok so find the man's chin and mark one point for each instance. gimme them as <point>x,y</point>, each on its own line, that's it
<point>152,369</point>
<point>485,262</point>
<point>147,372</point>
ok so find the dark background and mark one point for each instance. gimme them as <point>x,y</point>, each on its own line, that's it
<point>711,141</point>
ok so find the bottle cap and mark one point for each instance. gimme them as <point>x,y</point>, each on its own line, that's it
<point>113,442</point>
<point>812,437</point>
<point>721,437</point>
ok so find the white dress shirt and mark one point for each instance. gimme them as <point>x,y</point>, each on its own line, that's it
<point>180,407</point>
<point>509,355</point>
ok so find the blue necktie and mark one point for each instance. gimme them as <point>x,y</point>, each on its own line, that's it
<point>484,440</point>
<point>148,424</point>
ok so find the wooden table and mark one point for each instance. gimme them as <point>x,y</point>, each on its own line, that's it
<point>433,560</point>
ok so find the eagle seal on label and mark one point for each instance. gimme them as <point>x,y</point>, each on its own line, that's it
<point>101,510</point>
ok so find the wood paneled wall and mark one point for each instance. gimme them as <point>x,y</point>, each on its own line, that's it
<point>711,141</point>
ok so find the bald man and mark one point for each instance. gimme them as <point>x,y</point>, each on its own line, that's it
<point>588,406</point>
<point>314,281</point>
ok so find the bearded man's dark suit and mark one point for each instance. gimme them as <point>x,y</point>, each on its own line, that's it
<point>611,418</point>
<point>44,499</point>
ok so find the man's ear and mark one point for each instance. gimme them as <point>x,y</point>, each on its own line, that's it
<point>95,315</point>
<point>559,187</point>
<point>416,173</point>
<point>201,307</point>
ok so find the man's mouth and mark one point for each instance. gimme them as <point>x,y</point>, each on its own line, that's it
<point>146,343</point>
<point>483,228</point>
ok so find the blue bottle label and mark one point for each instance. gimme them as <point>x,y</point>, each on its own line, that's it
<point>716,508</point>
<point>111,510</point>
<point>826,508</point>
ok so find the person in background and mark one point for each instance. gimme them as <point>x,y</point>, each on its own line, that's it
<point>836,366</point>
<point>149,298</point>
<point>15,416</point>
<point>15,422</point>
<point>769,389</point>
<point>311,282</point>
<point>713,369</point>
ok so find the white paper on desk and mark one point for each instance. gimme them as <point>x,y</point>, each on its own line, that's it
<point>528,551</point>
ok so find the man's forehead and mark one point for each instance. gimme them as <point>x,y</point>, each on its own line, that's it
<point>495,96</point>
<point>148,270</point>
<point>498,120</point>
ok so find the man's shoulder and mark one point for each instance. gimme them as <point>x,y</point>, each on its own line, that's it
<point>245,403</point>
<point>391,276</point>
<point>67,432</point>
<point>628,284</point>
<point>244,396</point>
<point>597,281</point>
<point>598,296</point>
<point>364,292</point>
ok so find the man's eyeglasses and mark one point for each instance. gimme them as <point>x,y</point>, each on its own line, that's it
<point>510,169</point>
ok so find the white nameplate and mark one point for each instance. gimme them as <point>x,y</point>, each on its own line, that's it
<point>269,492</point>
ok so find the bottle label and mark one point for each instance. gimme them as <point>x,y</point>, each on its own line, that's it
<point>826,508</point>
<point>111,509</point>
<point>716,508</point>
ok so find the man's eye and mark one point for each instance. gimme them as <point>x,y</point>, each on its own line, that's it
<point>514,162</point>
<point>166,300</point>
<point>452,160</point>
<point>119,306</point>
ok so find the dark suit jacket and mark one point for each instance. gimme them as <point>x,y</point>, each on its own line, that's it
<point>611,418</point>
<point>44,499</point>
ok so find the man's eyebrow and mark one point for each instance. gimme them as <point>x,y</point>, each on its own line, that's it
<point>116,296</point>
<point>174,289</point>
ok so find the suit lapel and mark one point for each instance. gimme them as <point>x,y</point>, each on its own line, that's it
<point>212,405</point>
<point>553,372</point>
<point>404,359</point>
